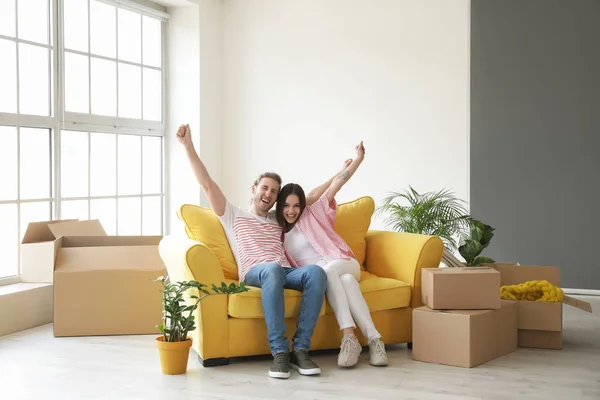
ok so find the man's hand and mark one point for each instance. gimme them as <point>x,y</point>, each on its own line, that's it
<point>360,151</point>
<point>184,135</point>
<point>346,164</point>
<point>216,198</point>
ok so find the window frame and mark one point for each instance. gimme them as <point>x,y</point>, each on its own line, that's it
<point>60,120</point>
<point>117,124</point>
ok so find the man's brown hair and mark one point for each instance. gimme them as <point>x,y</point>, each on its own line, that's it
<point>271,175</point>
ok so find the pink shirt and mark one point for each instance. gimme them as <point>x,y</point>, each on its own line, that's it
<point>317,224</point>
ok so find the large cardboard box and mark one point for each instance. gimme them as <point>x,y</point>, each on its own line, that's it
<point>103,285</point>
<point>540,323</point>
<point>38,247</point>
<point>464,338</point>
<point>467,288</point>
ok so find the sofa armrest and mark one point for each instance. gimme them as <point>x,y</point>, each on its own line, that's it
<point>401,256</point>
<point>186,259</point>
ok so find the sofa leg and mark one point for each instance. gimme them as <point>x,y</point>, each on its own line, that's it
<point>213,362</point>
<point>409,345</point>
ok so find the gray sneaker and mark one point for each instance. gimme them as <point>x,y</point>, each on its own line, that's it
<point>349,351</point>
<point>280,367</point>
<point>377,354</point>
<point>302,363</point>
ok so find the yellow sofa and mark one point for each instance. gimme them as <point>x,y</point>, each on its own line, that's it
<point>234,326</point>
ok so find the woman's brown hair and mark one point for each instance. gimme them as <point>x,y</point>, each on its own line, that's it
<point>290,188</point>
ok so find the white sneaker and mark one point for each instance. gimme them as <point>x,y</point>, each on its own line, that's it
<point>377,354</point>
<point>349,351</point>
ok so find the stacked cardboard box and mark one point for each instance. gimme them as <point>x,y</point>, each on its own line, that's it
<point>463,322</point>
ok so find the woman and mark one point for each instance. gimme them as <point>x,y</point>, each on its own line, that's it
<point>310,239</point>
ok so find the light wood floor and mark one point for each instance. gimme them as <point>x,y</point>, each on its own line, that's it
<point>35,365</point>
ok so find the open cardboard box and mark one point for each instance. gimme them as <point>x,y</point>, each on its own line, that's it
<point>103,285</point>
<point>540,323</point>
<point>39,245</point>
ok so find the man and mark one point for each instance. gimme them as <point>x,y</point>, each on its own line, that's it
<point>255,239</point>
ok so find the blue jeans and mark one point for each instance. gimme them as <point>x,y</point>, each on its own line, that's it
<point>272,278</point>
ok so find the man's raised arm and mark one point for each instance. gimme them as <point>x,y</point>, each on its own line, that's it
<point>213,191</point>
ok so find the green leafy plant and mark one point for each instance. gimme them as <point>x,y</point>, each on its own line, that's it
<point>435,213</point>
<point>176,324</point>
<point>481,235</point>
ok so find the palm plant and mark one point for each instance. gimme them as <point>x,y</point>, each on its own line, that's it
<point>435,213</point>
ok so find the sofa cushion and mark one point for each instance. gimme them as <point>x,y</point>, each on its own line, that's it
<point>352,222</point>
<point>248,304</point>
<point>379,293</point>
<point>202,225</point>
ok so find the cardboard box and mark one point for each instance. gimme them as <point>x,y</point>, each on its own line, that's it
<point>38,247</point>
<point>103,285</point>
<point>540,323</point>
<point>513,274</point>
<point>468,288</point>
<point>464,338</point>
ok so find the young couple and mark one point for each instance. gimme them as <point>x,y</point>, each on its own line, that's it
<point>295,247</point>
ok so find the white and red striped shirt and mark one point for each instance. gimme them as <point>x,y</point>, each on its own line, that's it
<point>253,239</point>
<point>317,224</point>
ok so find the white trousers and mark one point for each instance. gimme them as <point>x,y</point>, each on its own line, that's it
<point>346,299</point>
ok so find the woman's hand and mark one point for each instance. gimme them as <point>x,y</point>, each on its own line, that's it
<point>360,151</point>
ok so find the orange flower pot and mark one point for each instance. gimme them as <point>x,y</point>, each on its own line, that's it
<point>173,355</point>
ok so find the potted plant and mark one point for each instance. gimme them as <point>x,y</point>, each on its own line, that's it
<point>178,319</point>
<point>481,235</point>
<point>435,213</point>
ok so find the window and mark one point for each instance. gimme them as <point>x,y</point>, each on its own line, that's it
<point>115,178</point>
<point>81,117</point>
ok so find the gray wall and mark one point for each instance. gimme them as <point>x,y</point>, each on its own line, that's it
<point>535,132</point>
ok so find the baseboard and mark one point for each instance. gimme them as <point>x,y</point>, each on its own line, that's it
<point>25,306</point>
<point>583,292</point>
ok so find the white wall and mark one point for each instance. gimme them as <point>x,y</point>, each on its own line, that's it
<point>211,88</point>
<point>195,47</point>
<point>292,86</point>
<point>304,81</point>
